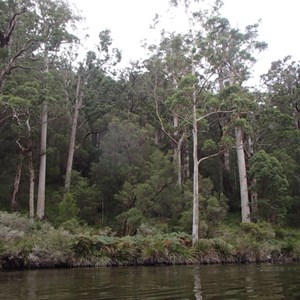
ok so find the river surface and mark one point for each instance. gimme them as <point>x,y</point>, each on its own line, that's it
<point>254,281</point>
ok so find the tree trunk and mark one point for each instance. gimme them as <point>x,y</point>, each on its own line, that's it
<point>195,229</point>
<point>31,184</point>
<point>242,175</point>
<point>186,165</point>
<point>254,205</point>
<point>43,148</point>
<point>14,204</point>
<point>178,150</point>
<point>227,159</point>
<point>253,193</point>
<point>177,157</point>
<point>77,108</point>
<point>42,172</point>
<point>296,115</point>
<point>31,170</point>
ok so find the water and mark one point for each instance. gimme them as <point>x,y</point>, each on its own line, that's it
<point>265,281</point>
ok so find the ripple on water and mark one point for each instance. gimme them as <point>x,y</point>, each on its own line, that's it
<point>177,282</point>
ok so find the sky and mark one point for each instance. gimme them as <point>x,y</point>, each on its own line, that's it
<point>130,20</point>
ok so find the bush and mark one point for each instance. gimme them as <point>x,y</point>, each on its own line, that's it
<point>260,231</point>
<point>16,222</point>
<point>224,250</point>
<point>67,208</point>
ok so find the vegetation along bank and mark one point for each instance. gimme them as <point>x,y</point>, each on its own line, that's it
<point>175,158</point>
<point>28,244</point>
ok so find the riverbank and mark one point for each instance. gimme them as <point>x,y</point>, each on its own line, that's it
<point>30,244</point>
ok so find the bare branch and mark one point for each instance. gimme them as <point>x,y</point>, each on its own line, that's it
<point>5,118</point>
<point>209,156</point>
<point>214,112</point>
<point>26,68</point>
<point>159,117</point>
<point>23,149</point>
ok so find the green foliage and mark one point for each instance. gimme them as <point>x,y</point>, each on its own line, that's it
<point>244,124</point>
<point>215,210</point>
<point>185,221</point>
<point>158,195</point>
<point>271,185</point>
<point>124,164</point>
<point>68,208</point>
<point>259,231</point>
<point>87,198</point>
<point>209,146</point>
<point>214,251</point>
<point>90,247</point>
<point>74,226</point>
<point>167,249</point>
<point>151,194</point>
<point>131,220</point>
<point>15,223</point>
<point>224,249</point>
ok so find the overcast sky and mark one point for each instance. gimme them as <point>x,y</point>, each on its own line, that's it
<point>129,21</point>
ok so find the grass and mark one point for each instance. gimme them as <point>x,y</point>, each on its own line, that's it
<point>28,244</point>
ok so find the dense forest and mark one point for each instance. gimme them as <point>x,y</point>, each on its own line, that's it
<point>177,142</point>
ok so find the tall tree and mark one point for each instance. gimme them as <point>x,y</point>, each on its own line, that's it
<point>101,63</point>
<point>219,55</point>
<point>283,82</point>
<point>168,64</point>
<point>54,17</point>
<point>231,53</point>
<point>18,37</point>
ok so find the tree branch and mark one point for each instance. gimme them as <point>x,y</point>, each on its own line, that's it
<point>215,112</point>
<point>209,156</point>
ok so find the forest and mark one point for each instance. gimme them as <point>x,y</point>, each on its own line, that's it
<point>176,145</point>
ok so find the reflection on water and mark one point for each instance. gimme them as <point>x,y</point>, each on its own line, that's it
<point>197,286</point>
<point>263,281</point>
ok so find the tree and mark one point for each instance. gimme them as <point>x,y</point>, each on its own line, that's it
<point>54,18</point>
<point>20,96</point>
<point>231,52</point>
<point>282,81</point>
<point>271,186</point>
<point>16,41</point>
<point>281,114</point>
<point>107,58</point>
<point>167,66</point>
<point>77,107</point>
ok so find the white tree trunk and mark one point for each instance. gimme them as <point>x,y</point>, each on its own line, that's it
<point>31,170</point>
<point>227,159</point>
<point>242,175</point>
<point>31,185</point>
<point>177,149</point>
<point>40,212</point>
<point>177,156</point>
<point>195,229</point>
<point>186,171</point>
<point>77,108</point>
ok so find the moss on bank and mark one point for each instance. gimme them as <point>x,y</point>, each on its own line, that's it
<point>30,244</point>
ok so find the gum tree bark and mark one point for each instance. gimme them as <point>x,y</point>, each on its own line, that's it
<point>31,170</point>
<point>242,175</point>
<point>195,228</point>
<point>40,212</point>
<point>78,104</point>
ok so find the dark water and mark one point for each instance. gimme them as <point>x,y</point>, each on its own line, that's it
<point>264,281</point>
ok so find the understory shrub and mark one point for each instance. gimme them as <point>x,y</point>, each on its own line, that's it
<point>29,244</point>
